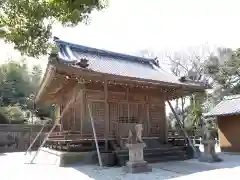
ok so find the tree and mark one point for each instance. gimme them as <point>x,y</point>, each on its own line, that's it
<point>220,69</point>
<point>224,70</point>
<point>190,65</point>
<point>14,84</point>
<point>13,114</point>
<point>18,87</point>
<point>28,23</point>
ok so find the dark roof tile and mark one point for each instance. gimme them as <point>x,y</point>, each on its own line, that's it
<point>230,105</point>
<point>116,63</point>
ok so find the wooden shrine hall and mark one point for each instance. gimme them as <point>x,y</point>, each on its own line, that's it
<point>115,90</point>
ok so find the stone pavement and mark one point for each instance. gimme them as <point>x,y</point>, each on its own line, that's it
<point>14,167</point>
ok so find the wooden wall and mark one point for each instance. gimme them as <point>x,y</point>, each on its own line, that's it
<point>228,132</point>
<point>122,102</point>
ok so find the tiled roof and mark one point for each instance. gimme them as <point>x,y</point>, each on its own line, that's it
<point>230,105</point>
<point>116,63</point>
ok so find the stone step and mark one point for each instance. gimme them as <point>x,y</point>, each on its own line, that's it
<point>155,155</point>
<point>155,143</point>
<point>155,150</point>
<point>122,161</point>
<point>77,147</point>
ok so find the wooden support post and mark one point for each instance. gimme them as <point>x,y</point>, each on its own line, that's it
<point>166,124</point>
<point>148,116</point>
<point>83,107</point>
<point>74,108</point>
<point>181,126</point>
<point>106,133</point>
<point>128,105</point>
<point>59,114</point>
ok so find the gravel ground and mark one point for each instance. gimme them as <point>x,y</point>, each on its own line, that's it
<point>14,166</point>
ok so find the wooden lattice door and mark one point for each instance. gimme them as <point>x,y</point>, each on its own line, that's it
<point>65,119</point>
<point>113,116</point>
<point>157,118</point>
<point>98,115</point>
<point>142,115</point>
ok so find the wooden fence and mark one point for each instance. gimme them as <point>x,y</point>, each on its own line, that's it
<point>18,137</point>
<point>179,139</point>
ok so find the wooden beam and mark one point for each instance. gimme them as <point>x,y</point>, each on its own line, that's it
<point>166,124</point>
<point>106,114</point>
<point>74,107</point>
<point>148,116</point>
<point>128,105</point>
<point>61,109</point>
<point>82,106</point>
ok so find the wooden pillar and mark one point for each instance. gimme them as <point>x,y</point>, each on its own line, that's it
<point>107,123</point>
<point>73,108</point>
<point>60,113</point>
<point>82,106</point>
<point>148,116</point>
<point>57,115</point>
<point>128,104</point>
<point>166,123</point>
<point>60,119</point>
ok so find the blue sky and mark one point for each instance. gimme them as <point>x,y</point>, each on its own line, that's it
<point>130,26</point>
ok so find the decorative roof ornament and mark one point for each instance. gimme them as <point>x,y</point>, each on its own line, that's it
<point>83,63</point>
<point>54,53</point>
<point>193,75</point>
<point>183,79</point>
<point>156,61</point>
<point>55,38</point>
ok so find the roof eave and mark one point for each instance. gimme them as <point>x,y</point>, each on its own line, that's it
<point>208,115</point>
<point>49,73</point>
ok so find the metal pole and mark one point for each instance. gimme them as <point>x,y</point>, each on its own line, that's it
<point>95,137</point>
<point>181,126</point>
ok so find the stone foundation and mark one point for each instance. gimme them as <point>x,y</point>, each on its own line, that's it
<point>62,159</point>
<point>137,167</point>
<point>136,163</point>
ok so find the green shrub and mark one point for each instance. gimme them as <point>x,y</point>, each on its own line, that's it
<point>12,115</point>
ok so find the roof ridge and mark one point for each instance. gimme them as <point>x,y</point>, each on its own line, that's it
<point>230,97</point>
<point>88,49</point>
